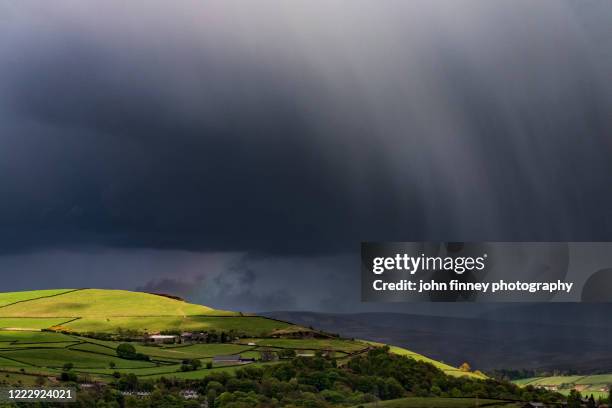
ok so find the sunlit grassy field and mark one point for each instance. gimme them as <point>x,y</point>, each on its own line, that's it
<point>12,297</point>
<point>586,384</point>
<point>30,323</point>
<point>105,303</point>
<point>56,358</point>
<point>44,352</point>
<point>309,344</point>
<point>251,325</point>
<point>449,370</point>
<point>7,336</point>
<point>41,331</point>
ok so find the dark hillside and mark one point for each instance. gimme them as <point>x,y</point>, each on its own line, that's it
<point>485,344</point>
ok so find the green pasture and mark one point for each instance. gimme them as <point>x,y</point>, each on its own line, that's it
<point>56,358</point>
<point>30,323</point>
<point>23,344</point>
<point>4,362</point>
<point>193,351</point>
<point>32,337</point>
<point>526,381</point>
<point>12,297</point>
<point>47,345</point>
<point>199,351</point>
<point>599,380</point>
<point>587,393</point>
<point>556,380</point>
<point>347,346</point>
<point>251,325</point>
<point>105,303</point>
<point>167,369</point>
<point>94,348</point>
<point>198,374</point>
<point>46,353</point>
<point>595,379</point>
<point>594,383</point>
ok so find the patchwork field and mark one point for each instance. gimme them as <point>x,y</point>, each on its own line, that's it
<point>56,358</point>
<point>22,353</point>
<point>587,385</point>
<point>347,346</point>
<point>194,351</point>
<point>251,325</point>
<point>42,331</point>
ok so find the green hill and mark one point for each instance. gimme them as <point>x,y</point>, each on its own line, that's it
<point>40,331</point>
<point>97,303</point>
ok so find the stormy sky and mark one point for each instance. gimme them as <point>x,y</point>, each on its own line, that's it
<point>236,153</point>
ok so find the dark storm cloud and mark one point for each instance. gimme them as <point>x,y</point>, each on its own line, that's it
<point>175,287</point>
<point>261,284</point>
<point>277,129</point>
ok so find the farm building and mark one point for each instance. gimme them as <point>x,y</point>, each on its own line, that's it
<point>189,394</point>
<point>194,337</point>
<point>235,358</point>
<point>163,338</point>
<point>232,359</point>
<point>138,394</point>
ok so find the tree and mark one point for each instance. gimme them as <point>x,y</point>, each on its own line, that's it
<point>68,366</point>
<point>126,350</point>
<point>591,403</point>
<point>574,399</point>
<point>68,376</point>
<point>211,395</point>
<point>286,353</point>
<point>128,382</point>
<point>465,367</point>
<point>111,364</point>
<point>267,355</point>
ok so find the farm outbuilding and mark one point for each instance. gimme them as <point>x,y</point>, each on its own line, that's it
<point>194,337</point>
<point>163,338</point>
<point>234,358</point>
